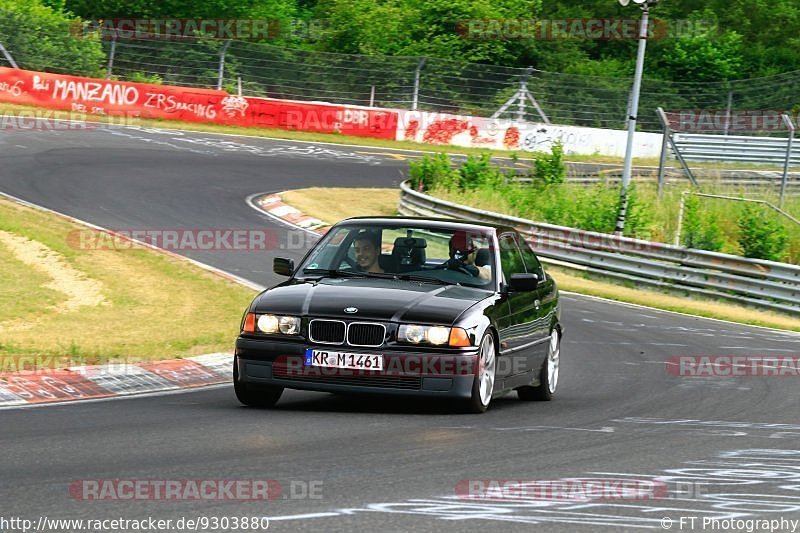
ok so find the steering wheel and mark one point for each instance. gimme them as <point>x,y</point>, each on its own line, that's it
<point>351,262</point>
<point>460,266</point>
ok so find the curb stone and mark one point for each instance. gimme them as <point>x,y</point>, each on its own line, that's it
<point>274,206</point>
<point>43,386</point>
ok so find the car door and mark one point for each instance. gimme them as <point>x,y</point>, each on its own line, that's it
<point>520,333</point>
<point>546,296</point>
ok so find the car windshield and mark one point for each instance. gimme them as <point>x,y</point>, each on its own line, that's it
<point>426,254</point>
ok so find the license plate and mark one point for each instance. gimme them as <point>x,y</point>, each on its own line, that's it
<point>330,359</point>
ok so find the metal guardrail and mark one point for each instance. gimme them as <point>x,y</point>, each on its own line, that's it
<point>765,284</point>
<point>736,148</point>
<point>702,147</point>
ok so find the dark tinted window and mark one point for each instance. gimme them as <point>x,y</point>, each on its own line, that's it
<point>531,261</point>
<point>510,258</point>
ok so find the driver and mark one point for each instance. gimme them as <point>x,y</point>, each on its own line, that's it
<point>462,256</point>
<point>367,246</point>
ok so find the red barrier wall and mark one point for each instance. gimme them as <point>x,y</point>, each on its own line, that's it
<point>72,93</point>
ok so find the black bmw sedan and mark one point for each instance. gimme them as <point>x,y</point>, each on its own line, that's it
<point>405,306</point>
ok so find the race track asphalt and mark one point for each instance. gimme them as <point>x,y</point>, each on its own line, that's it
<point>731,444</point>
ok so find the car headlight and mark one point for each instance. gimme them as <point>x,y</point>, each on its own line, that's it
<point>287,325</point>
<point>436,335</point>
<point>267,324</point>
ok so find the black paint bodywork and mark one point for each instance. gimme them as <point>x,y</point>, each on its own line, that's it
<point>520,321</point>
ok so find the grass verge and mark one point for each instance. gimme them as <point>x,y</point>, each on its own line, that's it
<point>333,205</point>
<point>317,202</point>
<point>153,306</point>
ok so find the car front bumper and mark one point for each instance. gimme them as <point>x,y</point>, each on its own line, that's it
<point>406,372</point>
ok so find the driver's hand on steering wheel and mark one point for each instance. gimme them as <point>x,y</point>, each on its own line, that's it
<point>461,266</point>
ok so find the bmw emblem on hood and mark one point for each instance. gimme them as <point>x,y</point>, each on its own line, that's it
<point>351,310</point>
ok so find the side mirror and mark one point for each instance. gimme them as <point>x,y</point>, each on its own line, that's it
<point>523,282</point>
<point>283,266</point>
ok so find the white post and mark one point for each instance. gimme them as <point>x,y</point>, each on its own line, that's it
<point>8,56</point>
<point>372,97</point>
<point>221,74</point>
<point>417,71</point>
<point>680,218</point>
<point>634,109</point>
<point>728,112</point>
<point>111,53</point>
<point>789,142</point>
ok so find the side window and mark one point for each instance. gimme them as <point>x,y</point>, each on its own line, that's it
<point>532,263</point>
<point>510,258</point>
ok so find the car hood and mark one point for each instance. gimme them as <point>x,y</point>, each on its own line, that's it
<point>375,299</point>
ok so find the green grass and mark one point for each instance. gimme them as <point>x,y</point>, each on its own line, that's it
<point>158,307</point>
<point>23,293</point>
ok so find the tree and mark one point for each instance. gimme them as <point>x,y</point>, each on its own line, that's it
<point>40,37</point>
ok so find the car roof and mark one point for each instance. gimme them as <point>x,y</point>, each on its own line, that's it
<point>426,222</point>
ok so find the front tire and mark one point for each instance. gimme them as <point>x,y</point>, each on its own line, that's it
<point>261,396</point>
<point>483,386</point>
<point>548,376</point>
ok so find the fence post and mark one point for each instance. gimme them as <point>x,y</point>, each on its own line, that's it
<point>680,217</point>
<point>111,53</point>
<point>789,142</point>
<point>417,71</point>
<point>8,56</point>
<point>662,162</point>
<point>221,75</point>
<point>665,122</point>
<point>728,112</point>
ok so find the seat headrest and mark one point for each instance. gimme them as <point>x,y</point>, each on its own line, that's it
<point>483,257</point>
<point>410,242</point>
<point>410,252</point>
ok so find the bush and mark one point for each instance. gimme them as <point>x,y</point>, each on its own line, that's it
<point>479,172</point>
<point>432,171</point>
<point>40,38</point>
<point>550,169</point>
<point>475,173</point>
<point>700,228</point>
<point>141,77</point>
<point>762,235</point>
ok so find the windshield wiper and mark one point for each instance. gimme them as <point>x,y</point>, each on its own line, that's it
<point>413,277</point>
<point>333,273</point>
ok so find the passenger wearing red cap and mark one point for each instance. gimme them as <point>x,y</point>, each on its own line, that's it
<point>463,252</point>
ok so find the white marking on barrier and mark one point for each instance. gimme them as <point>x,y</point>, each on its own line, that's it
<point>125,379</point>
<point>217,362</point>
<point>283,210</point>
<point>9,398</point>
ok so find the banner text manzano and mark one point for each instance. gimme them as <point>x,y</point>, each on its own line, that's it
<point>110,97</point>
